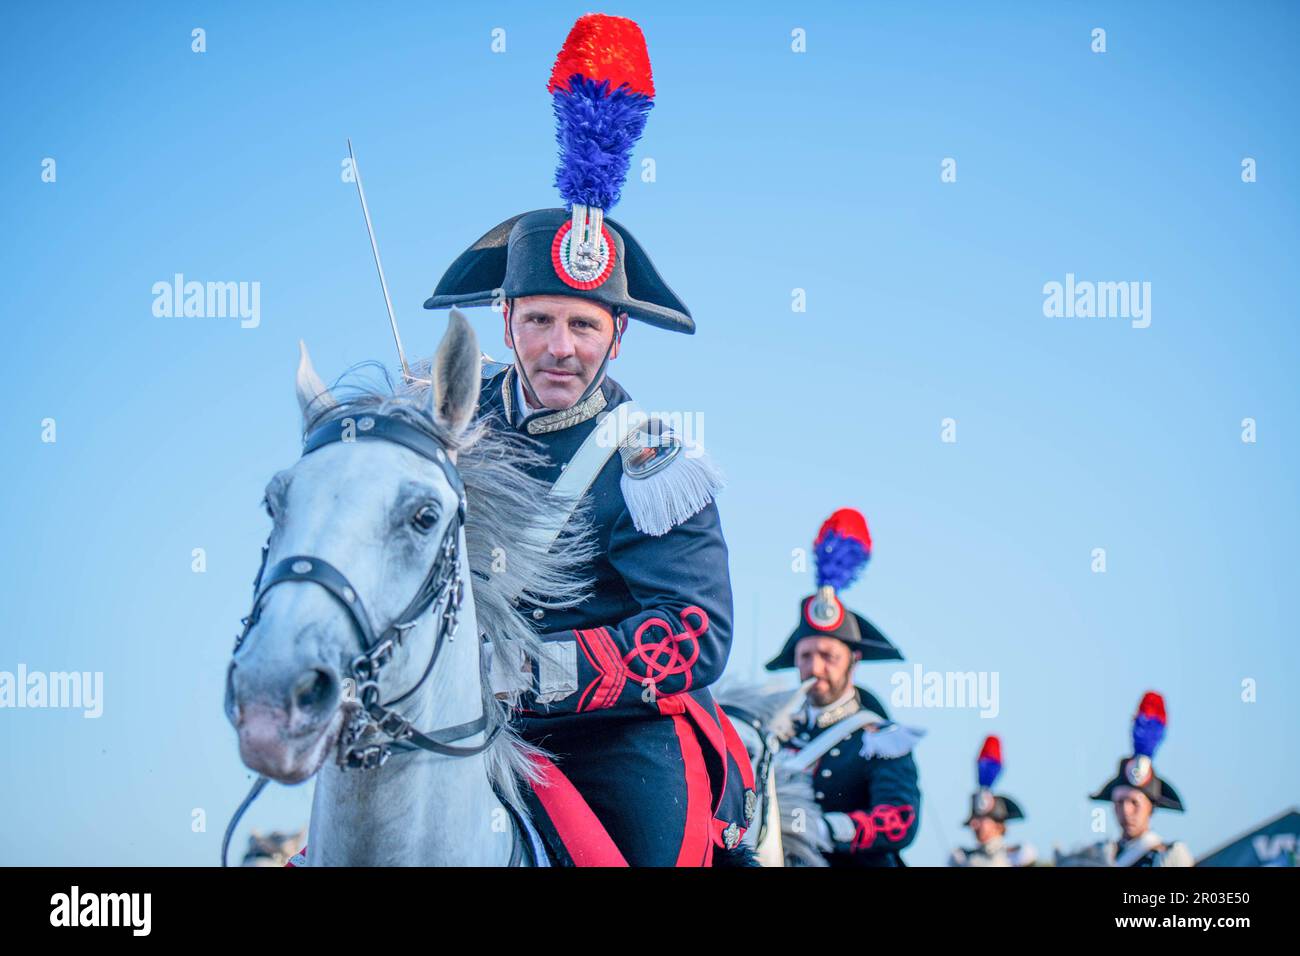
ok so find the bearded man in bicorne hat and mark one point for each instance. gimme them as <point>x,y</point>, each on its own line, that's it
<point>863,775</point>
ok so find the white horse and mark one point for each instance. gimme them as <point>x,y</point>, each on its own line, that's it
<point>374,544</point>
<point>788,827</point>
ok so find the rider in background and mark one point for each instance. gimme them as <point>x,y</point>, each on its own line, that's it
<point>989,814</point>
<point>1135,791</point>
<point>864,777</point>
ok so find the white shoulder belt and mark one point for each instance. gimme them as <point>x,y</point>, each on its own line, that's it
<point>584,466</point>
<point>831,736</point>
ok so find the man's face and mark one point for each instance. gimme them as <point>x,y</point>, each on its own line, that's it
<point>986,829</point>
<point>559,341</point>
<point>831,662</point>
<point>1132,811</point>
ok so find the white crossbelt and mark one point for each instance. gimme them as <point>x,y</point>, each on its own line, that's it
<point>557,660</point>
<point>831,736</point>
<point>585,465</point>
<point>1134,850</point>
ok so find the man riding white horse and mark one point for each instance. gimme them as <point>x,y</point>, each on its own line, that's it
<point>619,694</point>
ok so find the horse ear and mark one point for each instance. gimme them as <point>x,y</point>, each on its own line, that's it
<point>313,396</point>
<point>454,396</point>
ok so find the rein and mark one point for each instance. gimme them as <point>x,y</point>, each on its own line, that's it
<point>370,718</point>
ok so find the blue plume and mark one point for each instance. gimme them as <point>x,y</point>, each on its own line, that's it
<point>839,559</point>
<point>596,130</point>
<point>988,771</point>
<point>1147,734</point>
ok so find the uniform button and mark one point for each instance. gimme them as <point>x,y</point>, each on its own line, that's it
<point>826,773</point>
<point>818,795</point>
<point>835,751</point>
<point>538,614</point>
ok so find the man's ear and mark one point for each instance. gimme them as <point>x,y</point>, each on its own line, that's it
<point>505,313</point>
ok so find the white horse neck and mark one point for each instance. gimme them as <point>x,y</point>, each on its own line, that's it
<point>419,809</point>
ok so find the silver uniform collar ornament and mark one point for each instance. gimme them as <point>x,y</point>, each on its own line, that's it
<point>834,715</point>
<point>536,423</point>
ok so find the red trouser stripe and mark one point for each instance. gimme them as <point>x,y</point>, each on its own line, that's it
<point>583,834</point>
<point>697,840</point>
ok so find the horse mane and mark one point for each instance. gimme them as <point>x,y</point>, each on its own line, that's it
<point>505,563</point>
<point>768,702</point>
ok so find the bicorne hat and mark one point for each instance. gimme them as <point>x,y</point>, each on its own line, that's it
<point>840,552</point>
<point>1138,771</point>
<point>984,802</point>
<point>601,90</point>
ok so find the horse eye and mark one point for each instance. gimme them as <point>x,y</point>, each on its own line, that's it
<point>266,505</point>
<point>426,519</point>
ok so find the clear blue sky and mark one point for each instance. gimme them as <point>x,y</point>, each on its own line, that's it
<point>775,171</point>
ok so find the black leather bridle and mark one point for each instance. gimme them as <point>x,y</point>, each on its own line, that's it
<point>442,586</point>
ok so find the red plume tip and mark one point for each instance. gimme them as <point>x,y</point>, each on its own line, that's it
<point>601,47</point>
<point>992,749</point>
<point>1153,705</point>
<point>848,523</point>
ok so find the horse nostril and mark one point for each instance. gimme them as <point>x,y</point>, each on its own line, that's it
<point>314,691</point>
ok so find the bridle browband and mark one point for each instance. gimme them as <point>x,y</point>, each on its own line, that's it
<point>371,718</point>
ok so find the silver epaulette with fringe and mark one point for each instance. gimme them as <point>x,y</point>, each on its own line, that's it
<point>664,481</point>
<point>890,741</point>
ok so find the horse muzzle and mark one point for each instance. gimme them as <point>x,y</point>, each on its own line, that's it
<point>285,727</point>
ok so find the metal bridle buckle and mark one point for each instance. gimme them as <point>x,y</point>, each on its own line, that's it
<point>368,758</point>
<point>395,725</point>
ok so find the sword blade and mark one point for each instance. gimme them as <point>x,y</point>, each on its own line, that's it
<point>379,266</point>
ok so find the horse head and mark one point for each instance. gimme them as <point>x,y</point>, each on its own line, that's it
<point>358,528</point>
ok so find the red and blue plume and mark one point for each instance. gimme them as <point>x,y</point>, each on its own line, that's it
<point>1149,725</point>
<point>602,91</point>
<point>990,761</point>
<point>841,549</point>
